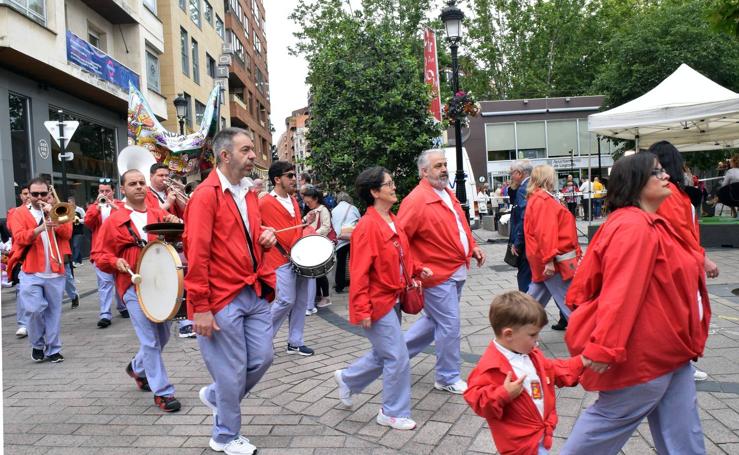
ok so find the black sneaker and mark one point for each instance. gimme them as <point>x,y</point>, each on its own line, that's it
<point>302,350</point>
<point>141,382</point>
<point>37,355</point>
<point>103,323</point>
<point>56,358</point>
<point>186,332</point>
<point>75,302</point>
<point>167,403</point>
<point>124,314</point>
<point>561,325</point>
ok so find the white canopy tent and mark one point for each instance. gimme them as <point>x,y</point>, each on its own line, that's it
<point>687,109</point>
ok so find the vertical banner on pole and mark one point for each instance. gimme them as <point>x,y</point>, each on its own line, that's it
<point>431,76</point>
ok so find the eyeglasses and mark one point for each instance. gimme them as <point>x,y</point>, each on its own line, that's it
<point>290,175</point>
<point>39,193</point>
<point>390,184</point>
<point>658,172</point>
<point>105,180</point>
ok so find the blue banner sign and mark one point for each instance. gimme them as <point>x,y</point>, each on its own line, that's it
<point>97,62</point>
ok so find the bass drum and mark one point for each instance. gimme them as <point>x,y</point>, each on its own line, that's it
<point>162,289</point>
<point>313,256</point>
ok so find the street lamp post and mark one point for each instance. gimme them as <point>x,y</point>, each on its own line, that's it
<point>452,17</point>
<point>180,105</point>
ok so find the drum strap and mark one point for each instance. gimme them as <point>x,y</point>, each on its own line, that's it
<point>138,241</point>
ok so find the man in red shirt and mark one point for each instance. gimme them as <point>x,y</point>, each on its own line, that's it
<point>121,240</point>
<point>21,318</point>
<point>42,274</point>
<point>229,283</point>
<point>280,210</point>
<point>94,218</point>
<point>441,240</point>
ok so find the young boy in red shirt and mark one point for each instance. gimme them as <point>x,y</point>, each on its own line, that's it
<point>512,386</point>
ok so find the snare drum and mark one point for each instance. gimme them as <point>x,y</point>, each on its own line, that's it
<point>162,289</point>
<point>313,256</point>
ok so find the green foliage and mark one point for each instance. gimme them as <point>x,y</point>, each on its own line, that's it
<point>724,16</point>
<point>368,101</point>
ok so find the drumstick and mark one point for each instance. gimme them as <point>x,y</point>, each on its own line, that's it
<point>291,227</point>
<point>135,277</point>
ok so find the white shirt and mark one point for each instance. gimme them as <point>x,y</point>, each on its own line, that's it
<point>522,364</point>
<point>238,192</point>
<point>105,212</point>
<point>161,195</point>
<point>462,234</point>
<point>586,189</point>
<point>286,202</point>
<point>47,273</point>
<point>138,219</point>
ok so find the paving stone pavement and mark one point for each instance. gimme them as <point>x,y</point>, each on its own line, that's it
<point>87,404</point>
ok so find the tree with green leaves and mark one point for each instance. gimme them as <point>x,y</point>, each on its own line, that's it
<point>368,100</point>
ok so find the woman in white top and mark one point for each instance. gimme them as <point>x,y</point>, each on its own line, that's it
<point>343,219</point>
<point>313,199</point>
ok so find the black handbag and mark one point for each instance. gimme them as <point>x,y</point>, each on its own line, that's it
<point>510,258</point>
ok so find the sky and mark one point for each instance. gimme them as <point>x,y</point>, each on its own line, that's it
<point>287,89</point>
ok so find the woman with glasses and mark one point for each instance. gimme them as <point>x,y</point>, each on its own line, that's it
<point>641,313</point>
<point>380,253</point>
<point>551,242</point>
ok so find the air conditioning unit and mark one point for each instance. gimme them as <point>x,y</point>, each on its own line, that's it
<point>224,60</point>
<point>222,71</point>
<point>227,48</point>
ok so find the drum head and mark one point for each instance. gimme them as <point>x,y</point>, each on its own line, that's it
<point>312,250</point>
<point>162,281</point>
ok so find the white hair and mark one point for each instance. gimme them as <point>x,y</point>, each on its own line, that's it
<point>423,159</point>
<point>524,166</point>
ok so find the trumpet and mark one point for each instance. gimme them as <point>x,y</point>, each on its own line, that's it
<point>178,189</point>
<point>103,201</point>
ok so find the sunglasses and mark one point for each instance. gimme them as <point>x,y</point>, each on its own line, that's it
<point>290,175</point>
<point>39,193</point>
<point>104,180</point>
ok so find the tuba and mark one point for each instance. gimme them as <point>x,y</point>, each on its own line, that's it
<point>136,157</point>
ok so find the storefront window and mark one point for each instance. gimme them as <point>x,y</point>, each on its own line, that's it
<point>93,146</point>
<point>562,135</point>
<point>20,139</point>
<point>531,140</point>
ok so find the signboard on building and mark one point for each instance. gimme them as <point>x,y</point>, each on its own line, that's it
<point>431,72</point>
<point>43,149</point>
<point>97,62</point>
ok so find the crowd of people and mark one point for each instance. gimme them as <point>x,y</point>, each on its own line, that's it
<point>633,321</point>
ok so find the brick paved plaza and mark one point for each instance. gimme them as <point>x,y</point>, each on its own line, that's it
<point>88,405</point>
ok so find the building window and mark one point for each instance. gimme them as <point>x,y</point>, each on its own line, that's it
<point>188,111</point>
<point>219,27</point>
<point>195,12</point>
<point>184,52</point>
<point>257,44</point>
<point>500,140</point>
<point>238,48</point>
<point>183,5</point>
<point>35,9</point>
<point>20,139</point>
<point>211,65</point>
<point>199,112</point>
<point>95,37</point>
<point>152,71</point>
<point>195,63</point>
<point>151,5</point>
<point>531,140</point>
<point>208,13</point>
<point>260,82</point>
<point>562,138</point>
<point>94,145</point>
<point>245,23</point>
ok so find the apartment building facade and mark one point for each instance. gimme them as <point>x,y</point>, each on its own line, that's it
<point>293,144</point>
<point>77,56</point>
<point>248,80</point>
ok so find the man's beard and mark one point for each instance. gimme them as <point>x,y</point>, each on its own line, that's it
<point>440,182</point>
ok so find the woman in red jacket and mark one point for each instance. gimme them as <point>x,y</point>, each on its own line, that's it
<point>641,313</point>
<point>551,242</point>
<point>381,252</point>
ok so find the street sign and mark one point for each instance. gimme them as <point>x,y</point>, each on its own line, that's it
<point>70,126</point>
<point>66,156</point>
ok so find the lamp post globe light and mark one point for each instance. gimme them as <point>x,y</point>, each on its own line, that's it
<point>180,105</point>
<point>452,18</point>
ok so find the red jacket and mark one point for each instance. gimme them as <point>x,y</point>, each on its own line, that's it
<point>375,264</point>
<point>116,242</point>
<point>678,211</point>
<point>516,424</point>
<point>549,229</point>
<point>635,301</point>
<point>22,227</point>
<point>276,216</point>
<point>432,231</point>
<point>94,221</point>
<point>153,201</point>
<point>219,265</point>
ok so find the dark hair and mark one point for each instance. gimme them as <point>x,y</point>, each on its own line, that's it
<point>278,168</point>
<point>38,181</point>
<point>671,160</point>
<point>629,176</point>
<point>313,192</point>
<point>368,180</point>
<point>515,309</point>
<point>123,176</point>
<point>154,168</point>
<point>306,177</point>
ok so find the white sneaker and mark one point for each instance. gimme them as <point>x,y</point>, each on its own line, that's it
<point>239,446</point>
<point>345,395</point>
<point>311,312</point>
<point>699,375</point>
<point>324,302</point>
<point>399,423</point>
<point>208,404</point>
<point>22,332</point>
<point>457,388</point>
